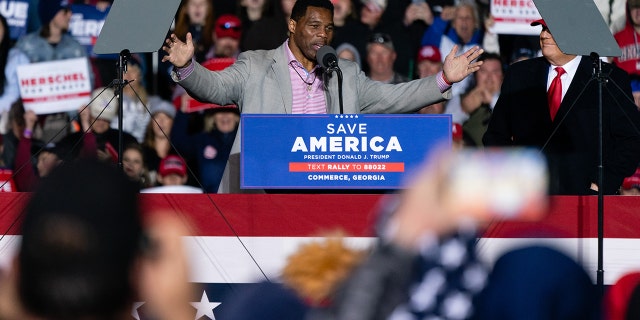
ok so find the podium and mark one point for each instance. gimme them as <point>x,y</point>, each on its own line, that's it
<point>336,151</point>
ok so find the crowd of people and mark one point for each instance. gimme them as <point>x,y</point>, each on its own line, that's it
<point>392,42</point>
<point>181,134</point>
<point>32,144</point>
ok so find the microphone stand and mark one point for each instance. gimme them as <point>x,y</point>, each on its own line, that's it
<point>339,72</point>
<point>334,67</point>
<point>125,55</point>
<point>597,73</point>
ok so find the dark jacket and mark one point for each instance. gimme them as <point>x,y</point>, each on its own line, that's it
<point>209,149</point>
<point>570,141</point>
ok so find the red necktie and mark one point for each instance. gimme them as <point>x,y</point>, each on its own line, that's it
<point>554,96</point>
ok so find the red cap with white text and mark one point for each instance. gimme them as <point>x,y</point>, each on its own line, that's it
<point>172,164</point>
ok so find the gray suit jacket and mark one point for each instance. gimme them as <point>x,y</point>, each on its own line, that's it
<point>259,82</point>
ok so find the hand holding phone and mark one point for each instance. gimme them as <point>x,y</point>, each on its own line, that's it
<point>471,185</point>
<point>498,183</point>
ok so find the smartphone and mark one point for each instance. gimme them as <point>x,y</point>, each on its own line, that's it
<point>108,147</point>
<point>498,183</point>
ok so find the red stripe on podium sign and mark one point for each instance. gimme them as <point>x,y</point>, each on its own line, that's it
<point>346,167</point>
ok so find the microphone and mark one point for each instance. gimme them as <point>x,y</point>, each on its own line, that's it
<point>597,64</point>
<point>327,58</point>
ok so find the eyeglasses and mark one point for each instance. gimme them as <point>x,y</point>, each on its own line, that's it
<point>381,38</point>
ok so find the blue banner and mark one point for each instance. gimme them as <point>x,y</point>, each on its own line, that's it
<point>352,151</point>
<point>16,12</point>
<point>86,24</point>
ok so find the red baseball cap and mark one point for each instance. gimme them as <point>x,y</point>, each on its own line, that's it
<point>172,164</point>
<point>431,53</point>
<point>228,25</point>
<point>632,181</point>
<point>456,132</point>
<point>539,22</point>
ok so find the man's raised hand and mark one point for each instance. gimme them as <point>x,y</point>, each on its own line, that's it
<point>456,68</point>
<point>178,53</point>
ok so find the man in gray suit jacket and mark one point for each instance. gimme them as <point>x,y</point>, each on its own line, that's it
<point>275,81</point>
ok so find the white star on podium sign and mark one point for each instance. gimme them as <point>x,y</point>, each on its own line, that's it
<point>205,307</point>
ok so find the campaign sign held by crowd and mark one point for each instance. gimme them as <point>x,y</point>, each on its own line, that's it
<point>352,151</point>
<point>55,86</point>
<point>514,17</point>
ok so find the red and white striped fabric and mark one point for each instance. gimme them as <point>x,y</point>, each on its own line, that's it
<point>240,237</point>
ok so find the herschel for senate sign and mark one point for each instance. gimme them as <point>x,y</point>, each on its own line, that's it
<point>351,151</point>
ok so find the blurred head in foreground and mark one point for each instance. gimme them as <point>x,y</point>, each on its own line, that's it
<point>622,299</point>
<point>318,268</point>
<point>81,236</point>
<point>538,282</point>
<point>310,278</point>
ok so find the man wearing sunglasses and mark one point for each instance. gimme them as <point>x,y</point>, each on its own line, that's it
<point>288,79</point>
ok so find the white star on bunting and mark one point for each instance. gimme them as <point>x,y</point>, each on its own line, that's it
<point>205,307</point>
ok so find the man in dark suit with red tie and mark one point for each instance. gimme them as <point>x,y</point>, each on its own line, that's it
<point>560,117</point>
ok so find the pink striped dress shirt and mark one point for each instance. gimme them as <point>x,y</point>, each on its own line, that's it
<point>308,96</point>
